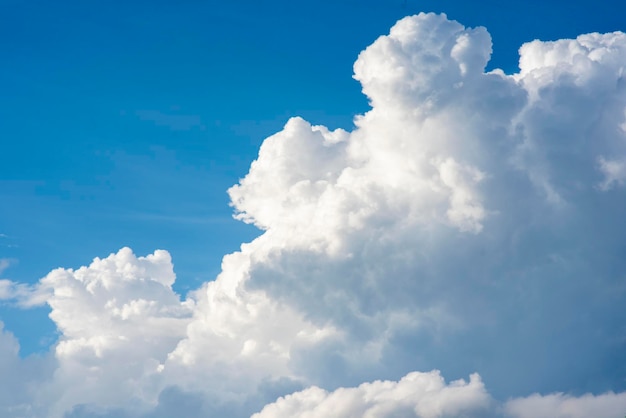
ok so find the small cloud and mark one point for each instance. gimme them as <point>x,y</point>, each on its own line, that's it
<point>5,241</point>
<point>559,405</point>
<point>23,295</point>
<point>614,173</point>
<point>5,263</point>
<point>415,395</point>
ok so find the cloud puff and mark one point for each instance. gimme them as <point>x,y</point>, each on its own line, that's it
<point>423,395</point>
<point>467,224</point>
<point>426,395</point>
<point>118,319</point>
<point>21,378</point>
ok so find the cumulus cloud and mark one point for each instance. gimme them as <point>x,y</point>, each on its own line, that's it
<point>423,395</point>
<point>426,395</point>
<point>118,319</point>
<point>462,201</point>
<point>467,223</point>
<point>21,378</point>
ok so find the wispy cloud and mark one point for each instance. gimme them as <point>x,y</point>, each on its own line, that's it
<point>4,264</point>
<point>23,295</point>
<point>7,241</point>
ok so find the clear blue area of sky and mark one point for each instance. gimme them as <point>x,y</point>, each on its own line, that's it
<point>123,123</point>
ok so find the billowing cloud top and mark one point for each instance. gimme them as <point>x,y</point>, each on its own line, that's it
<point>469,223</point>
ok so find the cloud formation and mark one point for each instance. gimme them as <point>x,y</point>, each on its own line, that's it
<point>467,224</point>
<point>426,395</point>
<point>416,394</point>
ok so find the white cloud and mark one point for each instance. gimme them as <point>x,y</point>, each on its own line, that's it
<point>426,395</point>
<point>372,225</point>
<point>463,225</point>
<point>564,406</point>
<point>423,395</point>
<point>118,319</point>
<point>24,295</point>
<point>614,173</point>
<point>20,294</point>
<point>20,377</point>
<point>4,264</point>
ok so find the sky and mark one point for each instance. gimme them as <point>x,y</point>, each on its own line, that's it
<point>312,209</point>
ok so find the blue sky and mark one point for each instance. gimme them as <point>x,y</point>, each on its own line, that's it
<point>124,123</point>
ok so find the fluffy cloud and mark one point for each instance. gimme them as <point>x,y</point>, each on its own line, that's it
<point>467,224</point>
<point>423,395</point>
<point>118,319</point>
<point>426,395</point>
<point>21,378</point>
<point>463,210</point>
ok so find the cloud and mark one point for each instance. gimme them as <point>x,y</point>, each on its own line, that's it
<point>4,264</point>
<point>459,212</point>
<point>467,224</point>
<point>614,173</point>
<point>25,296</point>
<point>423,395</point>
<point>20,377</point>
<point>426,395</point>
<point>20,294</point>
<point>118,319</point>
<point>564,406</point>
